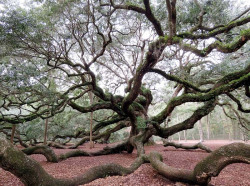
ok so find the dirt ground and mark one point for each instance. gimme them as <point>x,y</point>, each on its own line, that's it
<point>233,175</point>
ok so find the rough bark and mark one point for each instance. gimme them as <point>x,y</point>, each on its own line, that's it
<point>196,146</point>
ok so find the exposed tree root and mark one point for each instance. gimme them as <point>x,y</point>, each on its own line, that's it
<point>196,146</point>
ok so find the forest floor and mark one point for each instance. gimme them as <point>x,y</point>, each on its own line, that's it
<point>233,175</point>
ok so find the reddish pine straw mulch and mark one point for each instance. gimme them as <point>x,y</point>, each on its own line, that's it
<point>232,175</point>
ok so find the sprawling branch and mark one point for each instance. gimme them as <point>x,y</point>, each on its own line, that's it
<point>31,173</point>
<point>178,80</point>
<point>195,146</point>
<point>147,12</point>
<point>222,47</point>
<point>214,32</point>
<point>209,167</point>
<point>52,157</point>
<point>226,84</point>
<point>240,107</point>
<point>99,136</point>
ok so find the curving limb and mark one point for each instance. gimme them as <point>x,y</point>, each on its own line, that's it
<point>52,157</point>
<point>209,167</point>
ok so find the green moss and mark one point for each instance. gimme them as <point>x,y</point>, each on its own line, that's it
<point>141,123</point>
<point>136,106</point>
<point>176,39</point>
<point>245,32</point>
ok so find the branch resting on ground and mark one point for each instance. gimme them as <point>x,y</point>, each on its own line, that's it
<point>209,167</point>
<point>52,157</point>
<point>31,172</point>
<point>195,146</point>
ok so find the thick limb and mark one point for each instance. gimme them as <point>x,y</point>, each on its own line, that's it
<point>209,167</point>
<point>52,157</point>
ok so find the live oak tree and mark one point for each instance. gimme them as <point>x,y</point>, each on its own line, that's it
<point>124,45</point>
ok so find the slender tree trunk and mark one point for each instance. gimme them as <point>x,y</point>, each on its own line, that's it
<point>208,129</point>
<point>193,136</point>
<point>200,131</point>
<point>179,135</point>
<point>46,131</point>
<point>13,133</point>
<point>185,137</point>
<point>91,143</point>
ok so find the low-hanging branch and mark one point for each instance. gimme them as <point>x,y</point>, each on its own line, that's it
<point>52,157</point>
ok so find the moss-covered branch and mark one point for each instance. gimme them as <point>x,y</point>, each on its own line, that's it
<point>186,124</point>
<point>178,80</point>
<point>216,30</point>
<point>226,84</point>
<point>222,47</point>
<point>98,136</point>
<point>94,107</point>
